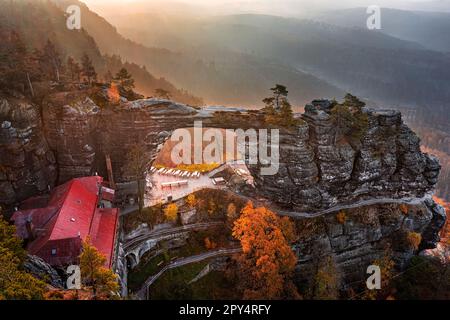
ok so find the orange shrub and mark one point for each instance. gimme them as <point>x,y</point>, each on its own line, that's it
<point>341,217</point>
<point>404,209</point>
<point>414,239</point>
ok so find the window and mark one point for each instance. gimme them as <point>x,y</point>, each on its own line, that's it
<point>53,252</point>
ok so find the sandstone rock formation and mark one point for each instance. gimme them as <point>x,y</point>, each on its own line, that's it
<point>27,165</point>
<point>317,173</point>
<point>42,270</point>
<point>366,235</point>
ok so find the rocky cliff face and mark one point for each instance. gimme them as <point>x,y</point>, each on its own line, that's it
<point>27,165</point>
<point>70,122</point>
<point>362,236</point>
<point>82,133</point>
<point>318,173</point>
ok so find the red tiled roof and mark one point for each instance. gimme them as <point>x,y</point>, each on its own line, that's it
<point>78,209</point>
<point>71,213</point>
<point>103,231</point>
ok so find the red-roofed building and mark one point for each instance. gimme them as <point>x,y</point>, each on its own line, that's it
<point>75,210</point>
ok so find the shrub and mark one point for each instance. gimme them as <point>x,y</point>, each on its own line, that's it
<point>414,239</point>
<point>341,217</point>
<point>171,212</point>
<point>210,244</point>
<point>191,200</point>
<point>404,209</point>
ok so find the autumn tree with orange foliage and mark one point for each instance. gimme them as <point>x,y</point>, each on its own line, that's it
<point>267,262</point>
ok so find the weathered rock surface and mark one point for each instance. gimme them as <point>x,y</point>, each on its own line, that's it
<point>367,234</point>
<point>318,173</point>
<point>27,165</point>
<point>42,270</point>
<point>70,125</point>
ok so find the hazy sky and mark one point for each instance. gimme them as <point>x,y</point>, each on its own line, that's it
<point>279,7</point>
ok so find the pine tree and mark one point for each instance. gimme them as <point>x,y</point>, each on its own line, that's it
<point>18,67</point>
<point>51,60</point>
<point>136,165</point>
<point>88,69</point>
<point>280,93</point>
<point>353,102</point>
<point>278,110</point>
<point>125,79</point>
<point>163,94</point>
<point>74,69</point>
<point>108,77</point>
<point>326,284</point>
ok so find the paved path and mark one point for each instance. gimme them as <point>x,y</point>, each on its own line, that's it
<point>163,232</point>
<point>142,293</point>
<point>361,203</point>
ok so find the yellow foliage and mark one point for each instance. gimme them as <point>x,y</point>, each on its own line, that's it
<point>414,239</point>
<point>232,214</point>
<point>94,274</point>
<point>15,283</point>
<point>171,212</point>
<point>202,167</point>
<point>191,200</point>
<point>326,282</point>
<point>212,207</point>
<point>386,265</point>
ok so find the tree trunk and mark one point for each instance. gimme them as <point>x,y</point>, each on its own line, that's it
<point>55,65</point>
<point>30,85</point>
<point>140,195</point>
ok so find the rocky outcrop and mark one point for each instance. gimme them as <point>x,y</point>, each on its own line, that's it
<point>27,165</point>
<point>430,236</point>
<point>146,121</point>
<point>70,122</point>
<point>317,172</point>
<point>363,235</point>
<point>42,270</point>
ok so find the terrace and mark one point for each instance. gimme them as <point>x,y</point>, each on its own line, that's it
<point>170,184</point>
<point>167,181</point>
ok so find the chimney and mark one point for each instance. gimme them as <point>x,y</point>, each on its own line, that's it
<point>29,226</point>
